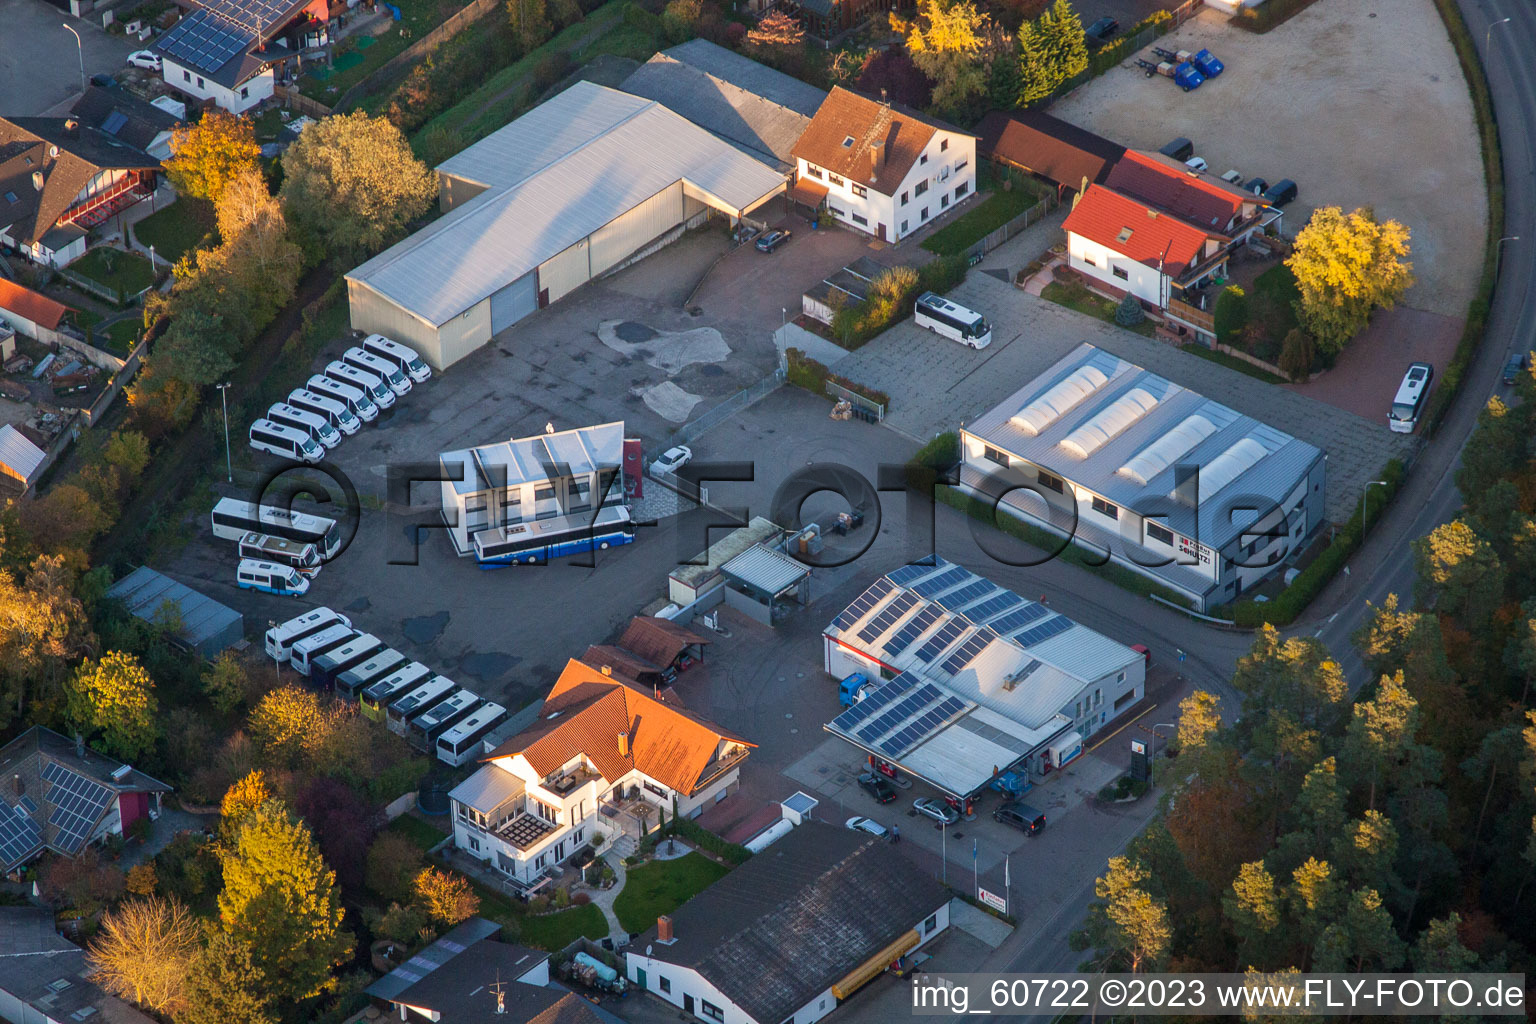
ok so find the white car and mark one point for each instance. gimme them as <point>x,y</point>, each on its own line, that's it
<point>672,460</point>
<point>146,59</point>
<point>1197,163</point>
<point>861,824</point>
<point>938,810</point>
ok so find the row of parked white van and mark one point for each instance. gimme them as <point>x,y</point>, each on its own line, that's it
<point>333,404</point>
<point>431,711</point>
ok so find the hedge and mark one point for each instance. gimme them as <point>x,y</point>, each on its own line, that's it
<point>854,325</point>
<point>805,372</point>
<point>706,840</point>
<point>990,214</point>
<point>1294,599</point>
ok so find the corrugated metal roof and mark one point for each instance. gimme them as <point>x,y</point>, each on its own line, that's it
<point>554,176</point>
<point>766,569</point>
<point>18,453</point>
<point>1144,445</point>
<point>144,590</point>
<point>487,789</point>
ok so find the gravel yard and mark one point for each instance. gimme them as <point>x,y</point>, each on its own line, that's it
<point>1360,102</point>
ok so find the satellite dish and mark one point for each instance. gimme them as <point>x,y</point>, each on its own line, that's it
<point>647,949</point>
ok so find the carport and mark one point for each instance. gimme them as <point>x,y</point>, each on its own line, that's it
<point>763,583</point>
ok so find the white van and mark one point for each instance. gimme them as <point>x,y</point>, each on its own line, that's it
<point>292,553</point>
<point>400,355</point>
<point>398,382</point>
<point>279,639</point>
<point>270,577</point>
<point>354,398</point>
<point>335,413</point>
<point>312,647</point>
<point>289,442</point>
<point>318,426</point>
<point>371,383</point>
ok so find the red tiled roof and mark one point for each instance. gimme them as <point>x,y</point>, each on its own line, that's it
<point>886,140</point>
<point>31,305</point>
<point>1104,216</point>
<point>659,641</point>
<point>1207,202</point>
<point>1044,145</point>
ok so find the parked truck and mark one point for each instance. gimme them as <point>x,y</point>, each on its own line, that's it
<point>855,688</point>
<point>1011,784</point>
<point>1183,73</point>
<point>1204,61</point>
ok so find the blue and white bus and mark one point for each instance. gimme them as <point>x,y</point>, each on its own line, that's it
<point>560,537</point>
<point>271,578</point>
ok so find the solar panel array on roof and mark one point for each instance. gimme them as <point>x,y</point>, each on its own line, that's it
<point>943,581</point>
<point>204,41</point>
<point>19,834</point>
<point>942,639</point>
<point>888,617</point>
<point>863,603</point>
<point>967,652</point>
<point>1047,629</point>
<point>899,712</point>
<point>912,630</point>
<point>922,727</point>
<point>1020,618</point>
<point>993,606</point>
<point>78,803</point>
<point>883,695</point>
<point>907,573</point>
<point>973,591</point>
<point>31,807</point>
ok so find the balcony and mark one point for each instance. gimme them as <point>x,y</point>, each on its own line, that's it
<point>720,765</point>
<point>1194,315</point>
<point>133,187</point>
<point>567,783</point>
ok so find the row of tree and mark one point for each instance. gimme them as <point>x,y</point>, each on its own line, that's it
<point>1396,830</point>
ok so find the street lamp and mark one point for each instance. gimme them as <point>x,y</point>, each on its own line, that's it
<point>1498,253</point>
<point>944,850</point>
<point>1488,36</point>
<point>80,49</point>
<point>1364,508</point>
<point>229,468</point>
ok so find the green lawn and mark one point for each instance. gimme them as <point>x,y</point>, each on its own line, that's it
<point>127,272</point>
<point>417,831</point>
<point>990,214</point>
<point>122,336</point>
<point>556,931</point>
<point>1075,296</point>
<point>1234,364</point>
<point>177,229</point>
<point>359,56</point>
<point>662,886</point>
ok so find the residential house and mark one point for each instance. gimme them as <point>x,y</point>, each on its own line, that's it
<point>830,21</point>
<point>881,168</point>
<point>45,979</point>
<point>31,313</point>
<point>1163,232</point>
<point>1048,148</point>
<point>600,757</point>
<point>117,112</point>
<point>227,51</point>
<point>60,178</point>
<point>468,976</point>
<point>58,794</point>
<point>792,933</point>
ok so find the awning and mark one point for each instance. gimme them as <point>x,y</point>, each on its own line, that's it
<point>766,569</point>
<point>808,192</point>
<point>869,969</point>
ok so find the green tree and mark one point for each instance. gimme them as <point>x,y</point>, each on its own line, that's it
<point>1128,924</point>
<point>1231,313</point>
<point>1494,453</point>
<point>1366,852</point>
<point>209,153</point>
<point>1313,899</point>
<point>392,866</point>
<point>1460,572</point>
<point>1254,908</point>
<point>529,21</point>
<point>1363,940</point>
<point>1129,313</point>
<point>1346,267</point>
<point>197,348</point>
<point>947,43</point>
<point>678,19</point>
<point>1051,50</point>
<point>1381,733</point>
<point>352,183</point>
<point>1439,948</point>
<point>227,985</point>
<point>280,897</point>
<point>1297,354</point>
<point>257,253</point>
<point>116,697</point>
<point>1004,80</point>
<point>128,452</point>
<point>226,682</point>
<point>1317,816</point>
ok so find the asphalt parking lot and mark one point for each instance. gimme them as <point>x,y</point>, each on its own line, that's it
<point>937,385</point>
<point>39,62</point>
<point>1358,110</point>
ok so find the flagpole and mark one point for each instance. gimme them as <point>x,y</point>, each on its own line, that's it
<point>975,881</point>
<point>1007,883</point>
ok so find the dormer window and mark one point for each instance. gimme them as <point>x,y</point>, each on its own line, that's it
<point>1124,235</point>
<point>848,142</point>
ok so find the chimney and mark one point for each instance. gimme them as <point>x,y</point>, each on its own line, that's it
<point>624,744</point>
<point>37,180</point>
<point>71,127</point>
<point>664,929</point>
<point>21,787</point>
<point>607,670</point>
<point>883,98</point>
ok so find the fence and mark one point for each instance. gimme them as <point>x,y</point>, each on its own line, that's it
<point>1014,227</point>
<point>728,408</point>
<point>102,291</point>
<point>420,48</point>
<point>90,353</point>
<point>875,410</point>
<point>98,408</point>
<point>295,100</point>
<point>1142,35</point>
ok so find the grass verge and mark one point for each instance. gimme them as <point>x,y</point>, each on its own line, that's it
<point>990,214</point>
<point>126,273</point>
<point>1076,296</point>
<point>357,60</point>
<point>556,931</point>
<point>1233,363</point>
<point>662,886</point>
<point>417,831</point>
<point>177,229</point>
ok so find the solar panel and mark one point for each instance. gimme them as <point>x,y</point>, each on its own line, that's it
<point>880,698</point>
<point>114,122</point>
<point>968,651</point>
<point>205,41</point>
<point>888,617</point>
<point>78,803</point>
<point>1047,629</point>
<point>943,581</point>
<point>912,630</point>
<point>863,603</point>
<point>19,834</point>
<point>922,727</point>
<point>968,593</point>
<point>907,573</point>
<point>31,807</point>
<point>993,606</point>
<point>1020,618</point>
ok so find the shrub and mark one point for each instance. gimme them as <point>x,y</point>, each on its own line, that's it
<point>581,899</point>
<point>893,283</point>
<point>551,68</point>
<point>706,840</point>
<point>1231,313</point>
<point>1129,313</point>
<point>1297,354</point>
<point>807,373</point>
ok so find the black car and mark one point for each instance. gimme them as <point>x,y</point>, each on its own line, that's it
<point>1258,186</point>
<point>771,241</point>
<point>1514,365</point>
<point>1179,149</point>
<point>1101,30</point>
<point>1020,816</point>
<point>878,787</point>
<point>1280,193</point>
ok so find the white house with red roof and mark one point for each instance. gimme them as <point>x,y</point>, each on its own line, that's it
<point>1162,232</point>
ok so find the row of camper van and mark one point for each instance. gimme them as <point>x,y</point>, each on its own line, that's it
<point>333,404</point>
<point>429,710</point>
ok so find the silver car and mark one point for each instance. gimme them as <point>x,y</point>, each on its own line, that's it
<point>859,823</point>
<point>938,810</point>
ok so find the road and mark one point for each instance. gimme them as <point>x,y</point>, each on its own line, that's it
<point>1384,565</point>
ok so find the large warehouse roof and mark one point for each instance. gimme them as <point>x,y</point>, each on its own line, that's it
<point>554,176</point>
<point>1120,431</point>
<point>982,673</point>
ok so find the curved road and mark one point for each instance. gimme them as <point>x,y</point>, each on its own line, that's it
<point>1505,33</point>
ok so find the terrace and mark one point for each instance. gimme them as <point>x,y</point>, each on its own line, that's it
<point>526,831</point>
<point>566,783</point>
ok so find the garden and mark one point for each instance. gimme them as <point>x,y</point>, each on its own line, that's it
<point>360,54</point>
<point>177,229</point>
<point>113,274</point>
<point>662,886</point>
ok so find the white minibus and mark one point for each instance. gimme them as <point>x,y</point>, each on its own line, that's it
<point>335,413</point>
<point>284,580</point>
<point>463,741</point>
<point>952,320</point>
<point>289,442</point>
<point>377,390</point>
<point>366,361</point>
<point>279,639</point>
<point>354,398</point>
<point>292,553</point>
<point>316,425</point>
<point>400,355</point>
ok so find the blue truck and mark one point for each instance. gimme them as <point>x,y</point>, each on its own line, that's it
<point>1183,73</point>
<point>1204,61</point>
<point>855,688</point>
<point>1011,784</point>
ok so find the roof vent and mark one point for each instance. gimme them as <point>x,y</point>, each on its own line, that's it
<point>1124,235</point>
<point>121,772</point>
<point>71,126</point>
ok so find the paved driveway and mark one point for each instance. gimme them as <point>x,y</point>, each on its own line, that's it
<point>39,63</point>
<point>937,385</point>
<point>1358,110</point>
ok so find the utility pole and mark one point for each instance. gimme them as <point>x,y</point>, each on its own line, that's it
<point>229,466</point>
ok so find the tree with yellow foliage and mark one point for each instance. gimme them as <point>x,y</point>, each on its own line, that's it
<point>240,800</point>
<point>116,696</point>
<point>948,43</point>
<point>143,952</point>
<point>447,898</point>
<point>288,722</point>
<point>1347,266</point>
<point>42,626</point>
<point>208,155</point>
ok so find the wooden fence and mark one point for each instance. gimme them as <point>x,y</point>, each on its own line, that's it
<point>1017,226</point>
<point>102,291</point>
<point>417,50</point>
<point>295,100</point>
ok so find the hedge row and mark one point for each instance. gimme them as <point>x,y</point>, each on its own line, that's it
<point>807,373</point>
<point>1111,54</point>
<point>704,839</point>
<point>1294,599</point>
<point>854,325</point>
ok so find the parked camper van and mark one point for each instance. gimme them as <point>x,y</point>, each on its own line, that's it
<point>270,577</point>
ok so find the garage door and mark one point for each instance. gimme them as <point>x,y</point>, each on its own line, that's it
<point>514,302</point>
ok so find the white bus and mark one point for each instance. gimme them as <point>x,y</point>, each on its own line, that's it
<point>379,695</point>
<point>314,646</point>
<point>314,424</point>
<point>1411,395</point>
<point>463,741</point>
<point>359,677</point>
<point>418,700</point>
<point>233,518</point>
<point>400,355</point>
<point>270,577</point>
<point>331,410</point>
<point>371,383</point>
<point>952,320</point>
<point>301,556</point>
<point>391,374</point>
<point>280,639</point>
<point>324,668</point>
<point>354,398</point>
<point>425,728</point>
<point>289,442</point>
